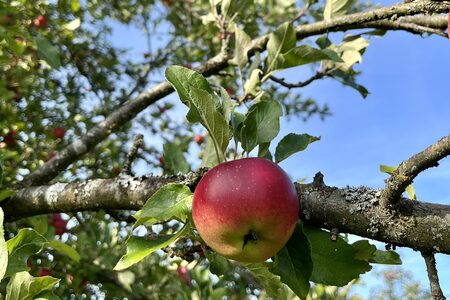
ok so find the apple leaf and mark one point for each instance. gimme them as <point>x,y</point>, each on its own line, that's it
<point>24,286</point>
<point>293,263</point>
<point>291,144</point>
<point>173,200</point>
<point>218,264</point>
<point>271,282</point>
<point>5,194</point>
<point>48,52</point>
<point>139,247</point>
<point>388,257</point>
<point>65,249</point>
<point>204,107</point>
<point>3,248</point>
<point>334,262</point>
<point>39,223</point>
<point>243,44</point>
<point>261,124</point>
<point>280,41</point>
<point>368,252</point>
<point>174,160</point>
<point>335,8</point>
<point>26,243</point>
<point>264,151</point>
<point>227,105</point>
<point>209,159</point>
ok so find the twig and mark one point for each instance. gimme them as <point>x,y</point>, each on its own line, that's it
<point>318,75</point>
<point>430,262</point>
<point>405,26</point>
<point>131,156</point>
<point>410,168</point>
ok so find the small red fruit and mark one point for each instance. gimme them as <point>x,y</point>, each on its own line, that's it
<point>44,272</point>
<point>161,160</point>
<point>59,132</point>
<point>10,139</point>
<point>231,91</point>
<point>40,21</point>
<point>198,138</point>
<point>59,224</point>
<point>162,109</point>
<point>246,209</point>
<point>183,274</point>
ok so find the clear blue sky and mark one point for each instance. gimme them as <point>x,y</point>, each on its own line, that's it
<point>407,110</point>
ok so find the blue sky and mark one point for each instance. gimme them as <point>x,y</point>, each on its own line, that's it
<point>407,110</point>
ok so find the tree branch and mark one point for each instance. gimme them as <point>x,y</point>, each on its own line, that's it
<point>131,108</point>
<point>430,262</point>
<point>410,168</point>
<point>317,76</point>
<point>417,225</point>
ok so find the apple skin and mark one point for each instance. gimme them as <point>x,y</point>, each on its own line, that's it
<point>198,138</point>
<point>59,132</point>
<point>246,209</point>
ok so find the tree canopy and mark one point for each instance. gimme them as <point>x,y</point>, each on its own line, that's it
<point>81,114</point>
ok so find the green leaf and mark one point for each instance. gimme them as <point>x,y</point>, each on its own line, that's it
<point>174,160</point>
<point>227,105</point>
<point>46,296</point>
<point>271,282</point>
<point>237,119</point>
<point>261,124</point>
<point>387,169</point>
<point>173,200</point>
<point>294,264</point>
<point>352,49</point>
<point>411,192</point>
<point>349,80</point>
<point>364,250</point>
<point>3,248</point>
<point>252,85</point>
<point>335,8</point>
<point>65,249</point>
<point>195,92</point>
<point>48,52</point>
<point>75,5</point>
<point>264,151</point>
<point>26,243</point>
<point>334,261</point>
<point>72,25</point>
<point>243,44</point>
<point>5,194</point>
<point>280,41</point>
<point>293,143</point>
<point>39,223</point>
<point>386,257</point>
<point>138,248</point>
<point>218,264</point>
<point>209,159</point>
<point>23,286</point>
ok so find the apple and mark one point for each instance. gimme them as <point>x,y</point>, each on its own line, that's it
<point>198,138</point>
<point>161,160</point>
<point>44,272</point>
<point>40,21</point>
<point>246,209</point>
<point>231,91</point>
<point>59,132</point>
<point>183,274</point>
<point>59,224</point>
<point>10,139</point>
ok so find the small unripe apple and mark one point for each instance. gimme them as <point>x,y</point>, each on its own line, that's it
<point>198,138</point>
<point>246,209</point>
<point>40,21</point>
<point>59,132</point>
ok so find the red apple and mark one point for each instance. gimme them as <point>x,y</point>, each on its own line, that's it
<point>59,132</point>
<point>183,274</point>
<point>161,160</point>
<point>40,21</point>
<point>10,139</point>
<point>231,91</point>
<point>44,272</point>
<point>246,209</point>
<point>198,138</point>
<point>59,224</point>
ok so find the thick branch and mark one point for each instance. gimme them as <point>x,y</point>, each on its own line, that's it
<point>131,108</point>
<point>410,168</point>
<point>418,225</point>
<point>430,262</point>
